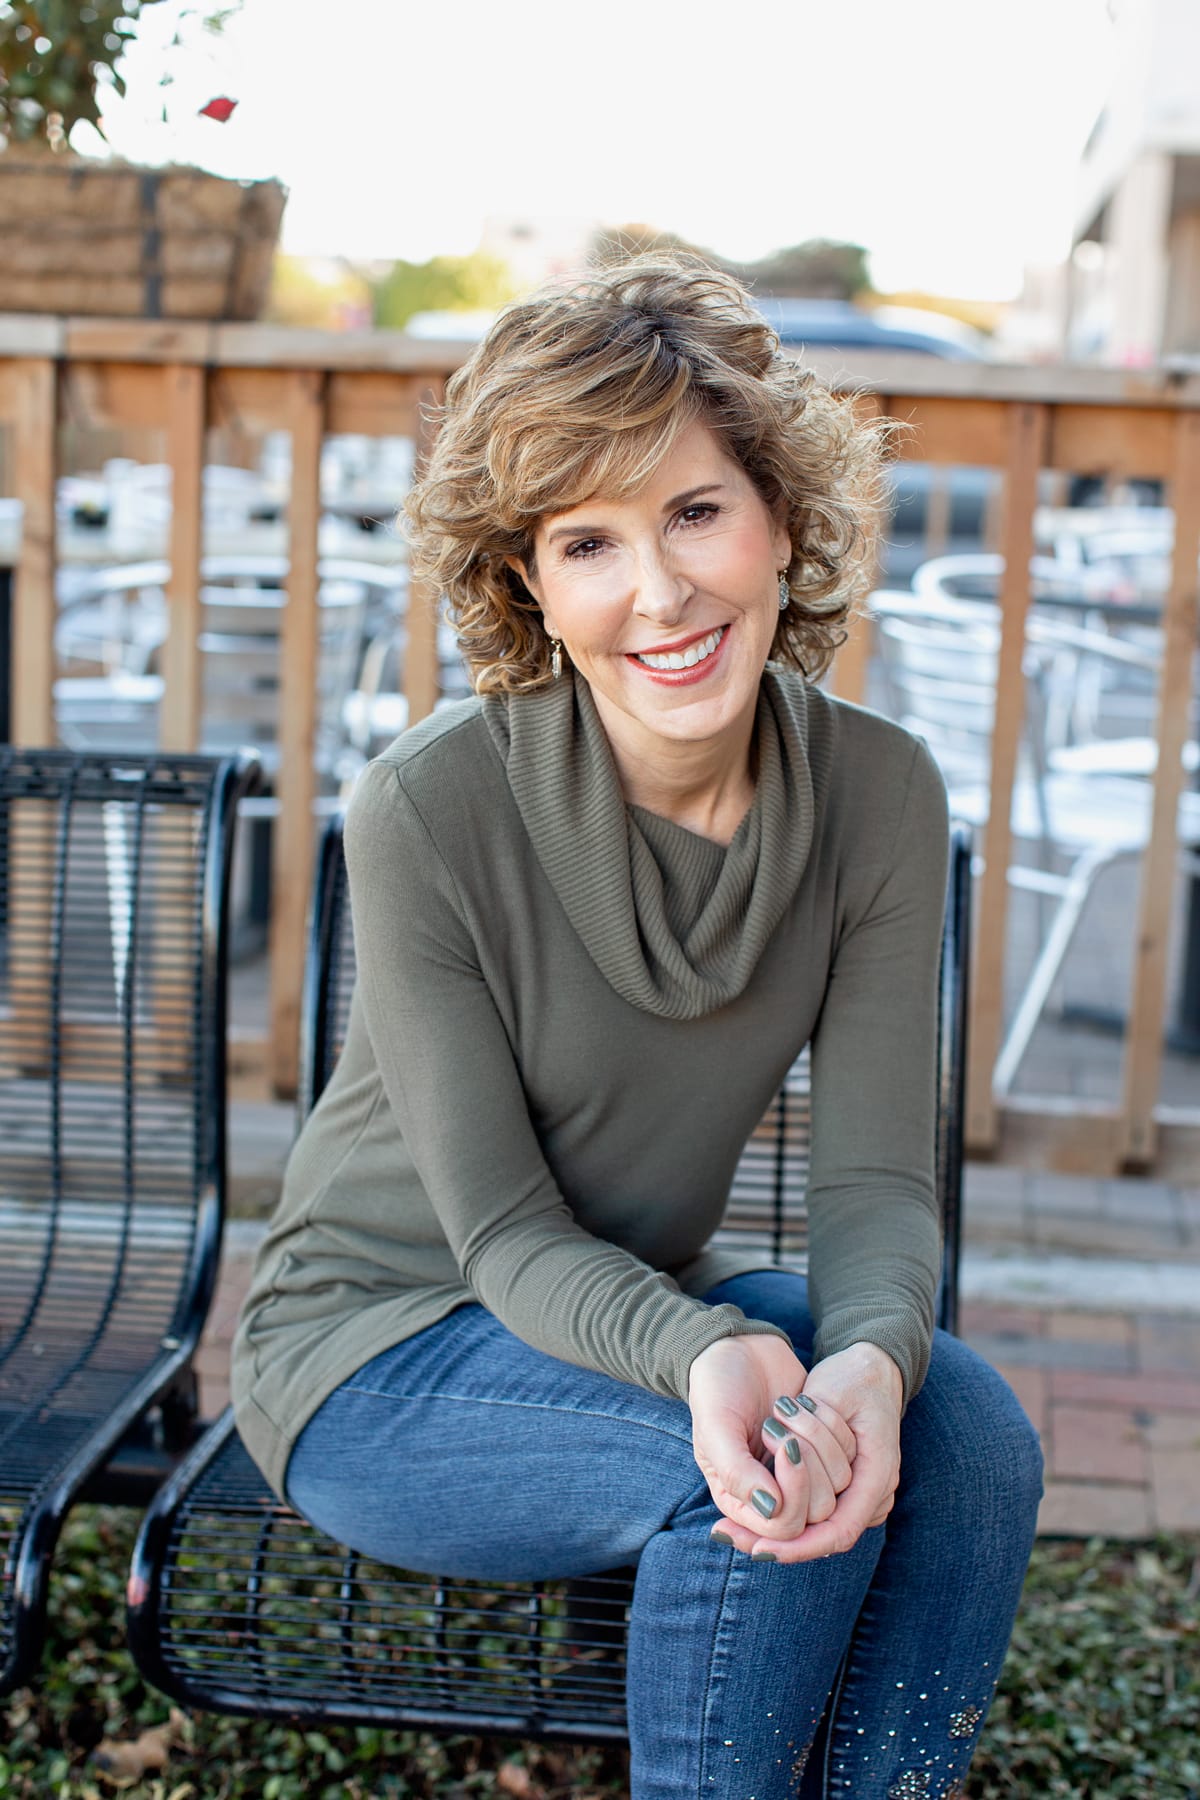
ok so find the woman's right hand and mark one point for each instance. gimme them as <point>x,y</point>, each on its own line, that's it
<point>734,1388</point>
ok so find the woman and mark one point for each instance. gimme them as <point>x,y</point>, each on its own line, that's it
<point>598,912</point>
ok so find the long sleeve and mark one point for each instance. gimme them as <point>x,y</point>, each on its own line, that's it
<point>454,1088</point>
<point>874,1230</point>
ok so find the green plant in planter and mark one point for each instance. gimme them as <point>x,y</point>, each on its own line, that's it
<point>58,56</point>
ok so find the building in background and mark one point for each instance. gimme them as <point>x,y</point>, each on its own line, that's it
<point>537,247</point>
<point>1133,282</point>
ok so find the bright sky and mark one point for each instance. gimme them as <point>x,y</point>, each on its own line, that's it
<point>942,134</point>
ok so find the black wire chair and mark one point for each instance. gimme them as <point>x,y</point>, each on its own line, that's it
<point>238,1605</point>
<point>113,896</point>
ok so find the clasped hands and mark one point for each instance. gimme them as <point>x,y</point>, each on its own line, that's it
<point>840,1480</point>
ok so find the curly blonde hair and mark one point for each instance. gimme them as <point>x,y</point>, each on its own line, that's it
<point>580,391</point>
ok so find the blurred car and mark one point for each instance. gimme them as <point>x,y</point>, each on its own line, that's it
<point>839,324</point>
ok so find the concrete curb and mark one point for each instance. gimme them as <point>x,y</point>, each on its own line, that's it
<point>1086,1283</point>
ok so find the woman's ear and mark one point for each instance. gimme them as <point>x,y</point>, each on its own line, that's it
<point>526,575</point>
<point>781,543</point>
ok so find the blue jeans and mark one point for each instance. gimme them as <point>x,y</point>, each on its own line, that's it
<point>465,1452</point>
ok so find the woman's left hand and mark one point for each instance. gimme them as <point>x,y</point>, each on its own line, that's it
<point>860,1388</point>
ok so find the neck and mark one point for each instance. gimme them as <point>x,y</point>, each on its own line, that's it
<point>707,787</point>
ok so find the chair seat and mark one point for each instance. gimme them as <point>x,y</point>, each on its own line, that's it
<point>1086,813</point>
<point>238,1605</point>
<point>264,1614</point>
<point>1131,756</point>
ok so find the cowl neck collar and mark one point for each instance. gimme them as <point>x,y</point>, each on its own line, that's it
<point>613,867</point>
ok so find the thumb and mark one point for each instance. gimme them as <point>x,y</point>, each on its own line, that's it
<point>743,1489</point>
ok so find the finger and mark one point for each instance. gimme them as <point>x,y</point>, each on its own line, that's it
<point>730,1536</point>
<point>796,1474</point>
<point>777,1504</point>
<point>743,1489</point>
<point>813,1411</point>
<point>793,1452</point>
<point>816,1429</point>
<point>858,1509</point>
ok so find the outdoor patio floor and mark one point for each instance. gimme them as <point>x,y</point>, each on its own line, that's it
<point>1084,1292</point>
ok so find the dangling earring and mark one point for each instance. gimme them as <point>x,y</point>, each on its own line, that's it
<point>785,592</point>
<point>555,656</point>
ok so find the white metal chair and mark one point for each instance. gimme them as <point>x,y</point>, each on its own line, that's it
<point>125,616</point>
<point>940,662</point>
<point>376,711</point>
<point>1109,583</point>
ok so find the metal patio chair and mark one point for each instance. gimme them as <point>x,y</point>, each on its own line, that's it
<point>114,876</point>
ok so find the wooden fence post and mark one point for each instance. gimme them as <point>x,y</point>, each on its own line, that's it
<point>294,839</point>
<point>34,600</point>
<point>1027,427</point>
<point>1143,1046</point>
<point>185,394</point>
<point>421,683</point>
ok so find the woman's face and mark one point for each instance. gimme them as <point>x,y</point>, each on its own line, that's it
<point>667,601</point>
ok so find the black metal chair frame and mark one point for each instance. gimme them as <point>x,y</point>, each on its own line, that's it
<point>112,1153</point>
<point>240,1606</point>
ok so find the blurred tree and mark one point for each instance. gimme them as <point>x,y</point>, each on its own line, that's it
<point>57,56</point>
<point>443,284</point>
<point>617,242</point>
<point>819,269</point>
<point>328,296</point>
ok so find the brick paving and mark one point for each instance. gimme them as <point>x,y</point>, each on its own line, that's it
<point>1114,1393</point>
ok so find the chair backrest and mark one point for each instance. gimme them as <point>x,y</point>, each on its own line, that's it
<point>113,898</point>
<point>240,645</point>
<point>766,1210</point>
<point>939,676</point>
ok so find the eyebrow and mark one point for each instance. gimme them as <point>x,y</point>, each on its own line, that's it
<point>677,500</point>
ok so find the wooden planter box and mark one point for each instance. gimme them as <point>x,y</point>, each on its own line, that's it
<point>126,242</point>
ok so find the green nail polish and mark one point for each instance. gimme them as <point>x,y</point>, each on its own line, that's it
<point>787,1406</point>
<point>719,1537</point>
<point>804,1401</point>
<point>762,1502</point>
<point>773,1429</point>
<point>763,1556</point>
<point>792,1451</point>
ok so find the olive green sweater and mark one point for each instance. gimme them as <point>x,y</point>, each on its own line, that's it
<point>569,1016</point>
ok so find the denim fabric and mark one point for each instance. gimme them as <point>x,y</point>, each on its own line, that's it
<point>463,1451</point>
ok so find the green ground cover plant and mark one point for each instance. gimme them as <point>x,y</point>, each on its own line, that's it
<point>1100,1701</point>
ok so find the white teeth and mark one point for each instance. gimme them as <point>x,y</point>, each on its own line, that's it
<point>685,659</point>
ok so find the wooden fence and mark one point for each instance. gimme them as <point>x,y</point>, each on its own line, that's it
<point>184,380</point>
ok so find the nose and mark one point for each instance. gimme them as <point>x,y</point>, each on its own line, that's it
<point>662,591</point>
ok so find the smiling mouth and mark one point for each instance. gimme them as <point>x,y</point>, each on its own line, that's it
<point>695,653</point>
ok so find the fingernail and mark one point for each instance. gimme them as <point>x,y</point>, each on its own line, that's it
<point>720,1537</point>
<point>804,1401</point>
<point>773,1429</point>
<point>787,1406</point>
<point>762,1502</point>
<point>792,1451</point>
<point>763,1556</point>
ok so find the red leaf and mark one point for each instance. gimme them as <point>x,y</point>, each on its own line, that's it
<point>219,109</point>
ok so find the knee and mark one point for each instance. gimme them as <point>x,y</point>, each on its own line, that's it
<point>972,1441</point>
<point>1020,1457</point>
